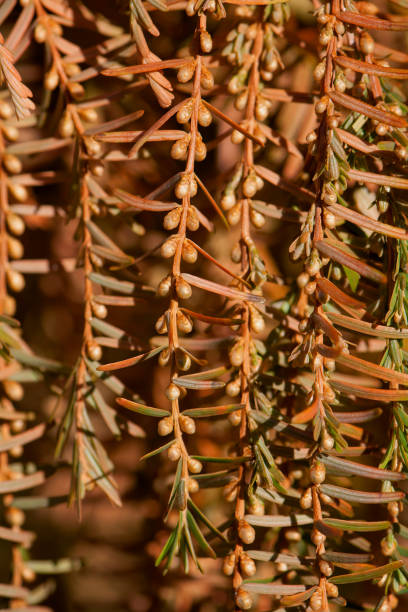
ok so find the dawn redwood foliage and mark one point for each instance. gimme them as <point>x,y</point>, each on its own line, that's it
<point>236,173</point>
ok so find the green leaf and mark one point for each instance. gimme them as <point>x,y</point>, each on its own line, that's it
<point>370,574</point>
<point>351,525</point>
<point>212,411</point>
<point>196,531</point>
<point>156,451</point>
<point>142,409</point>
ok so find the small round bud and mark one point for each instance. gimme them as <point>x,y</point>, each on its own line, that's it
<point>174,452</point>
<point>184,113</point>
<point>250,187</point>
<point>236,354</point>
<point>192,485</point>
<point>172,392</point>
<point>9,305</point>
<point>40,33</point>
<point>207,79</point>
<point>183,289</point>
<point>164,286</point>
<point>317,537</point>
<point>14,516</point>
<point>15,248</point>
<point>327,441</point>
<point>329,220</point>
<point>235,418</point>
<point>15,280</point>
<point>205,42</point>
<point>28,574</point>
<point>228,565</point>
<point>17,426</point>
<point>316,601</point>
<point>184,322</point>
<point>233,388</point>
<point>187,424</point>
<point>169,247</point>
<point>204,116</point>
<point>193,221</point>
<point>189,253</point>
<point>366,43</point>
<point>186,72</point>
<point>13,390</point>
<point>12,163</point>
<point>6,110</point>
<point>66,126</point>
<point>164,357</point>
<point>317,473</point>
<point>247,565</point>
<point>100,311</point>
<point>194,465</point>
<point>51,80</point>
<point>246,532</point>
<point>306,499</point>
<point>16,452</point>
<point>172,219</point>
<point>94,351</point>
<point>165,426</point>
<point>326,568</point>
<point>19,192</point>
<point>243,599</point>
<point>332,589</point>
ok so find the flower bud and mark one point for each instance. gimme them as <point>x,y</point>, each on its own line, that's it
<point>187,424</point>
<point>174,452</point>
<point>183,289</point>
<point>94,351</point>
<point>246,532</point>
<point>165,426</point>
<point>194,465</point>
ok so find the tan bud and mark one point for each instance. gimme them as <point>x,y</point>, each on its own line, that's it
<point>193,485</point>
<point>317,473</point>
<point>246,532</point>
<point>15,248</point>
<point>172,219</point>
<point>194,465</point>
<point>174,452</point>
<point>247,565</point>
<point>193,221</point>
<point>172,392</point>
<point>14,516</point>
<point>12,163</point>
<point>306,499</point>
<point>243,600</point>
<point>19,192</point>
<point>186,72</point>
<point>207,79</point>
<point>18,425</point>
<point>233,388</point>
<point>15,280</point>
<point>13,390</point>
<point>169,247</point>
<point>204,115</point>
<point>51,79</point>
<point>165,426</point>
<point>164,286</point>
<point>189,253</point>
<point>184,322</point>
<point>205,42</point>
<point>183,289</point>
<point>228,565</point>
<point>187,424</point>
<point>94,351</point>
<point>100,311</point>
